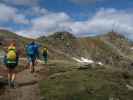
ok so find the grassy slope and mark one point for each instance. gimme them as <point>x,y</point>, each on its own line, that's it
<point>65,82</point>
<point>120,42</point>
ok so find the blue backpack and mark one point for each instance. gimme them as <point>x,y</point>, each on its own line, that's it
<point>31,50</point>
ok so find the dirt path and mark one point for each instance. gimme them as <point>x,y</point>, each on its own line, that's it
<point>28,86</point>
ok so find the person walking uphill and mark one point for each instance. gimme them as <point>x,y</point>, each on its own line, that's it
<point>32,55</point>
<point>45,55</point>
<point>11,61</point>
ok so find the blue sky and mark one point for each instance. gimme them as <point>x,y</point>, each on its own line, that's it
<point>34,18</point>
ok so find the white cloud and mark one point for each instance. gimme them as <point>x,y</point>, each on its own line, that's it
<point>108,19</point>
<point>20,2</point>
<point>103,21</point>
<point>8,13</point>
<point>20,18</point>
<point>48,22</point>
<point>6,28</point>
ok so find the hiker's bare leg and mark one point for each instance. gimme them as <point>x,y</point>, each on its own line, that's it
<point>31,67</point>
<point>13,75</point>
<point>9,76</point>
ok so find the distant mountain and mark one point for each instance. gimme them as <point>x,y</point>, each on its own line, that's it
<point>112,49</point>
<point>7,36</point>
<point>6,33</point>
<point>62,35</point>
<point>119,41</point>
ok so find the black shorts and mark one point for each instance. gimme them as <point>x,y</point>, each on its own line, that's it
<point>31,58</point>
<point>11,66</point>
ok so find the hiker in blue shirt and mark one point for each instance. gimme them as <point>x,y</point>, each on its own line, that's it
<point>32,54</point>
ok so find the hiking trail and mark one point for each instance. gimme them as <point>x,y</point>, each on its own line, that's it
<point>27,86</point>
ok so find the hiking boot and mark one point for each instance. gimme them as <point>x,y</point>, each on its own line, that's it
<point>13,84</point>
<point>33,70</point>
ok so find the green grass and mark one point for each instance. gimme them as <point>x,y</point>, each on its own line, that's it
<point>89,84</point>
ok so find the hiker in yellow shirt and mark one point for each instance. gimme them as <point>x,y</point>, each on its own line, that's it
<point>11,61</point>
<point>45,54</point>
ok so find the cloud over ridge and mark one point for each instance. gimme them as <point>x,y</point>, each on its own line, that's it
<point>42,21</point>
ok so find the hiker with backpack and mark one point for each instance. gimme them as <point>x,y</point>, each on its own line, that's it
<point>45,55</point>
<point>11,61</point>
<point>32,55</point>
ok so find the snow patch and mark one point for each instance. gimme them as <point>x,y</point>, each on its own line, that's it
<point>89,61</point>
<point>131,48</point>
<point>129,87</point>
<point>100,63</point>
<point>84,61</point>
